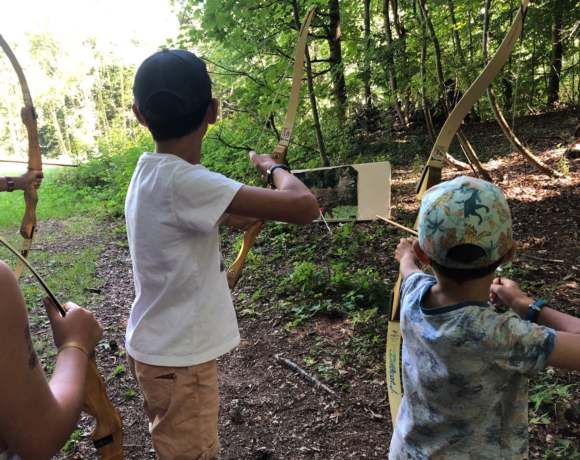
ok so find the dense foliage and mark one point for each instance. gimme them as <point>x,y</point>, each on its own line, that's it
<point>367,81</point>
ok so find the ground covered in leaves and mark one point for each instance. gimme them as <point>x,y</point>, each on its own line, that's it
<point>315,298</point>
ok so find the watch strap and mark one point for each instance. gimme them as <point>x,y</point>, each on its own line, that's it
<point>9,184</point>
<point>270,176</point>
<point>534,311</point>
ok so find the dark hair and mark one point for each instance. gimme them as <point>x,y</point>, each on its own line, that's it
<point>465,254</point>
<point>174,128</point>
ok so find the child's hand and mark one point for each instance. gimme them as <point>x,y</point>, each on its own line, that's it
<point>405,249</point>
<point>508,293</point>
<point>79,325</point>
<point>261,162</point>
<point>32,175</point>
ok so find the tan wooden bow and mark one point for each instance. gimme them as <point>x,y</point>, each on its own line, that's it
<point>108,433</point>
<point>235,270</point>
<point>431,176</point>
<point>28,115</point>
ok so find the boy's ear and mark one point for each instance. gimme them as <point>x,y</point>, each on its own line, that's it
<point>510,254</point>
<point>138,115</point>
<point>212,111</point>
<point>423,258</point>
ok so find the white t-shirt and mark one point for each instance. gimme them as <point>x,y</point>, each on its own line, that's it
<point>9,455</point>
<point>183,313</point>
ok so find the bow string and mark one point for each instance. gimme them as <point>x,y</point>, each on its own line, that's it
<point>234,272</point>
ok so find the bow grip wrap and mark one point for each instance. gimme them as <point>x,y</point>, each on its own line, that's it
<point>28,226</point>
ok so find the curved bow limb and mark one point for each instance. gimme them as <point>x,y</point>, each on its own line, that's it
<point>432,172</point>
<point>279,155</point>
<point>235,271</point>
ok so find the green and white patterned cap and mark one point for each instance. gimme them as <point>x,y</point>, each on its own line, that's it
<point>465,210</point>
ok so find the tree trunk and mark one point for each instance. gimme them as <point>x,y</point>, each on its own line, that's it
<point>460,53</point>
<point>556,59</point>
<point>403,117</point>
<point>463,142</point>
<point>12,120</point>
<point>508,93</point>
<point>402,34</point>
<point>123,113</point>
<point>102,111</point>
<point>367,65</point>
<point>335,57</point>
<point>315,117</point>
<point>509,134</point>
<point>57,130</point>
<point>455,32</point>
<point>424,101</point>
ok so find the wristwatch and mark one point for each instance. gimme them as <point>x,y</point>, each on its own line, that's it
<point>9,184</point>
<point>270,176</point>
<point>534,311</point>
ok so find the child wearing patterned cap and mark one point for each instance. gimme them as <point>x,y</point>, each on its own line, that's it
<point>466,366</point>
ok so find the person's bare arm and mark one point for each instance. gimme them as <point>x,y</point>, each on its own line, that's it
<point>291,202</point>
<point>511,295</point>
<point>405,255</point>
<point>566,353</point>
<point>23,181</point>
<point>242,222</point>
<point>38,417</point>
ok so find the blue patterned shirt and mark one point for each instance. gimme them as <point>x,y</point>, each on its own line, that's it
<point>465,376</point>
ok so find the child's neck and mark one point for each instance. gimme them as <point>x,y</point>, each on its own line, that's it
<point>449,292</point>
<point>187,148</point>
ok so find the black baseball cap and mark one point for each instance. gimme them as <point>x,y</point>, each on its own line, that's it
<point>170,84</point>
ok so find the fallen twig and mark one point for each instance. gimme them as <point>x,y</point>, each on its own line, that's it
<point>554,261</point>
<point>305,375</point>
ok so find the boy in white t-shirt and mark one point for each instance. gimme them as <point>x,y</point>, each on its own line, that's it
<point>182,318</point>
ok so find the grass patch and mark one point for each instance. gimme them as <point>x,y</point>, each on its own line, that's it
<point>55,201</point>
<point>68,270</point>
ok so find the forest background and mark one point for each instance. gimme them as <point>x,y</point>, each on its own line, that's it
<point>375,71</point>
<point>379,80</point>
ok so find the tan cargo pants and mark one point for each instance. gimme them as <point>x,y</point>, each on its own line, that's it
<point>182,405</point>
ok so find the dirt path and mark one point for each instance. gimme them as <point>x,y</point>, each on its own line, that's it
<point>267,412</point>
